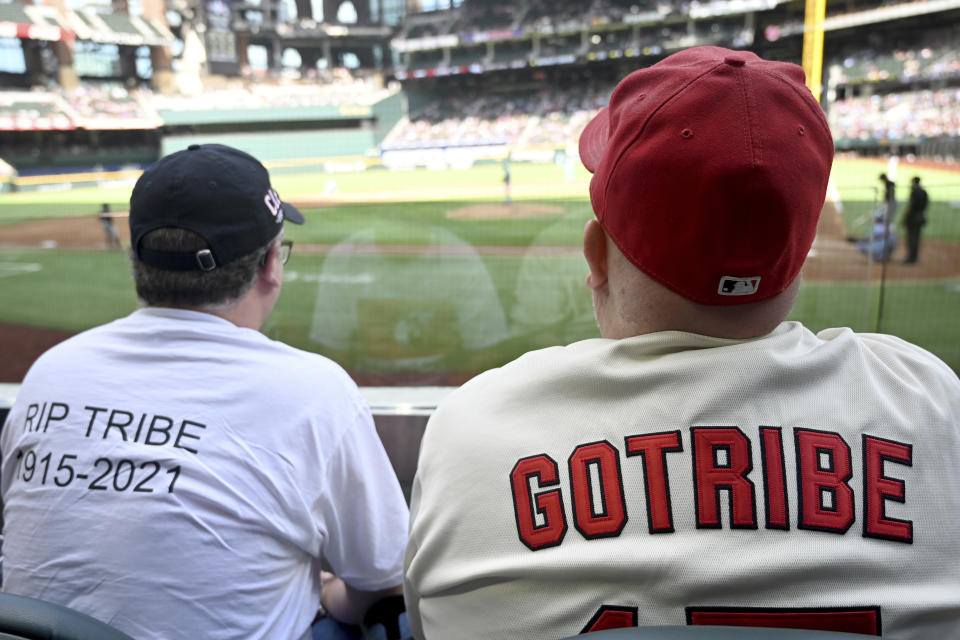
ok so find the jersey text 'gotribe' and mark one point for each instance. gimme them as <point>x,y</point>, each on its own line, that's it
<point>722,463</point>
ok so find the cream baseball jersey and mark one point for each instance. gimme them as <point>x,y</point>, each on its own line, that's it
<point>797,480</point>
<point>177,476</point>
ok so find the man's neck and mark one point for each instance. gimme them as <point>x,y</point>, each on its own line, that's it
<point>241,313</point>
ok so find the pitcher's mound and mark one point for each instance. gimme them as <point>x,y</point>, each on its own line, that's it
<point>493,211</point>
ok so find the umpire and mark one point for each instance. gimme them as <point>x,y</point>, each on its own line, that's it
<point>175,472</point>
<point>914,218</point>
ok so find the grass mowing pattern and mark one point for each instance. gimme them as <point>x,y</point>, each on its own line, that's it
<point>420,223</point>
<point>433,309</point>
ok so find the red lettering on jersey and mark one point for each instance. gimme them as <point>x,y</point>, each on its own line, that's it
<point>612,617</point>
<point>774,479</point>
<point>527,504</point>
<point>824,471</point>
<point>605,517</point>
<point>878,488</point>
<point>721,461</point>
<point>864,620</point>
<point>652,449</point>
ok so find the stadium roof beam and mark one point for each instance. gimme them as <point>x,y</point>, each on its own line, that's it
<point>33,22</point>
<point>120,29</point>
<point>53,24</point>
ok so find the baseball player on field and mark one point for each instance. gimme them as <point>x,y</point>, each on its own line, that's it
<point>177,474</point>
<point>704,462</point>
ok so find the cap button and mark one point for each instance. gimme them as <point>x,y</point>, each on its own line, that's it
<point>734,61</point>
<point>193,147</point>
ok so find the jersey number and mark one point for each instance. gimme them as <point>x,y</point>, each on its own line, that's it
<point>864,620</point>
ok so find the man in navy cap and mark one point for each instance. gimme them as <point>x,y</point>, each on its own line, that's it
<point>176,473</point>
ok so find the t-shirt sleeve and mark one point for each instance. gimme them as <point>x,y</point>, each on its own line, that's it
<point>7,438</point>
<point>363,510</point>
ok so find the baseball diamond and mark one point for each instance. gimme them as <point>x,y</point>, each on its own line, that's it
<point>544,245</point>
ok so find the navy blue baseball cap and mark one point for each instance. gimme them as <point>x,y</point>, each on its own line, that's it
<point>218,192</point>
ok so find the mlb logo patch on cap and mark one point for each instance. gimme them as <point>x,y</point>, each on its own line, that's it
<point>731,286</point>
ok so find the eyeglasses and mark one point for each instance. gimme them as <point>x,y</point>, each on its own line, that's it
<point>286,246</point>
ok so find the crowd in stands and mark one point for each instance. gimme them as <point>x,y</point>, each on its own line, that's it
<point>909,116</point>
<point>904,95</point>
<point>539,16</point>
<point>901,65</point>
<point>554,118</point>
<point>485,16</point>
<point>560,28</point>
<point>113,106</point>
<point>244,95</point>
<point>90,106</point>
<point>29,110</point>
<point>549,117</point>
<point>894,110</point>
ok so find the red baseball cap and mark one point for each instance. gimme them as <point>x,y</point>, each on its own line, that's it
<point>710,172</point>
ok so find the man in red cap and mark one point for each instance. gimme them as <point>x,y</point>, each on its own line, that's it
<point>705,462</point>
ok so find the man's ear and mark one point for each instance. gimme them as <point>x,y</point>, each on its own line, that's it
<point>271,273</point>
<point>595,251</point>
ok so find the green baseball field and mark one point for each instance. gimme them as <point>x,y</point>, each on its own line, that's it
<point>428,277</point>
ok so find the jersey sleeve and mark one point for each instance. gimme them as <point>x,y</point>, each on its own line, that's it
<point>411,596</point>
<point>363,510</point>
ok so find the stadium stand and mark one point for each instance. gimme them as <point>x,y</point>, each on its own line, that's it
<point>30,111</point>
<point>904,96</point>
<point>112,107</point>
<point>891,72</point>
<point>341,89</point>
<point>479,16</point>
<point>532,118</point>
<point>906,117</point>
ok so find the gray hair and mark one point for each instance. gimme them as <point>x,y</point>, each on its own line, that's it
<point>206,289</point>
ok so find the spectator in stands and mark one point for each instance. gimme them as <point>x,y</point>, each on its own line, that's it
<point>554,495</point>
<point>177,474</point>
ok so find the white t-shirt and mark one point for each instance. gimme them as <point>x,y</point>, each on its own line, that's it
<point>177,476</point>
<point>672,479</point>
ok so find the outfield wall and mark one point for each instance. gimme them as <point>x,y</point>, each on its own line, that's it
<point>63,159</point>
<point>331,151</point>
<point>284,145</point>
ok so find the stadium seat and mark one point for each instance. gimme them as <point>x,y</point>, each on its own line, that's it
<point>717,633</point>
<point>23,618</point>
